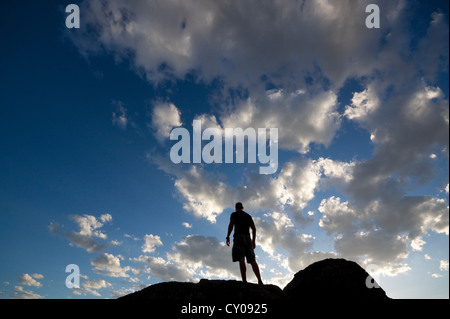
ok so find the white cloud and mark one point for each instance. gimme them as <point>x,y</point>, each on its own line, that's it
<point>276,232</point>
<point>217,39</point>
<point>20,293</point>
<point>106,218</point>
<point>30,280</point>
<point>443,265</point>
<point>151,242</point>
<point>301,118</point>
<point>296,183</point>
<point>204,196</point>
<point>381,230</point>
<point>120,118</point>
<point>197,251</point>
<point>109,265</point>
<point>207,196</point>
<point>37,276</point>
<point>88,225</point>
<point>165,270</point>
<point>115,243</point>
<point>337,216</point>
<point>417,243</point>
<point>122,292</point>
<point>405,129</point>
<point>130,236</point>
<point>165,116</point>
<point>91,286</point>
<point>86,242</point>
<point>191,258</point>
<point>363,105</point>
<point>89,230</point>
<point>187,225</point>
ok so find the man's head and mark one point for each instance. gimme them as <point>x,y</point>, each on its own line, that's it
<point>239,206</point>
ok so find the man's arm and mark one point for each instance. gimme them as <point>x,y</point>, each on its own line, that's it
<point>230,229</point>
<point>253,227</point>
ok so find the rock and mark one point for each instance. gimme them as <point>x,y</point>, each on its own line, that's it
<point>332,279</point>
<point>208,290</point>
<point>329,279</point>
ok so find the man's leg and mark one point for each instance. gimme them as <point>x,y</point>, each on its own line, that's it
<point>243,269</point>
<point>256,271</point>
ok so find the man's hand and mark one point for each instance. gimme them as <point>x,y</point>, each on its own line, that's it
<point>253,244</point>
<point>230,229</point>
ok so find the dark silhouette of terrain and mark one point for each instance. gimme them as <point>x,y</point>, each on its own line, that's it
<point>208,290</point>
<point>328,279</point>
<point>333,279</point>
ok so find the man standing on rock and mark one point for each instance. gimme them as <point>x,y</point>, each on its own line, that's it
<point>243,245</point>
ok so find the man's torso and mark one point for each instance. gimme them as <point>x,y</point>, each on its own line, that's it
<point>242,223</point>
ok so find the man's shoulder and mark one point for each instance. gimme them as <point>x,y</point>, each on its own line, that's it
<point>247,216</point>
<point>240,214</point>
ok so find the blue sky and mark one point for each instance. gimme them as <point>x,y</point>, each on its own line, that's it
<point>86,177</point>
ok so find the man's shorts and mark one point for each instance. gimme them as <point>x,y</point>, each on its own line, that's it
<point>242,247</point>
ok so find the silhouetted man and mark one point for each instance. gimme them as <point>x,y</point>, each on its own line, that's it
<point>243,245</point>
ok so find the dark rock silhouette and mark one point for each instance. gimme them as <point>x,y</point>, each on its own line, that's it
<point>208,290</point>
<point>333,279</point>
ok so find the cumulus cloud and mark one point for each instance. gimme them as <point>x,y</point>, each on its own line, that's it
<point>217,40</point>
<point>381,232</point>
<point>89,230</point>
<point>109,265</point>
<point>187,225</point>
<point>276,232</point>
<point>119,117</point>
<point>409,126</point>
<point>198,252</point>
<point>301,117</point>
<point>30,280</point>
<point>88,224</point>
<point>193,257</point>
<point>150,243</point>
<point>172,38</point>
<point>202,193</point>
<point>20,293</point>
<point>166,270</point>
<point>206,195</point>
<point>165,116</point>
<point>363,105</point>
<point>91,286</point>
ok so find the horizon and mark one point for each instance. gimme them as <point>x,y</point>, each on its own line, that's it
<point>92,180</point>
